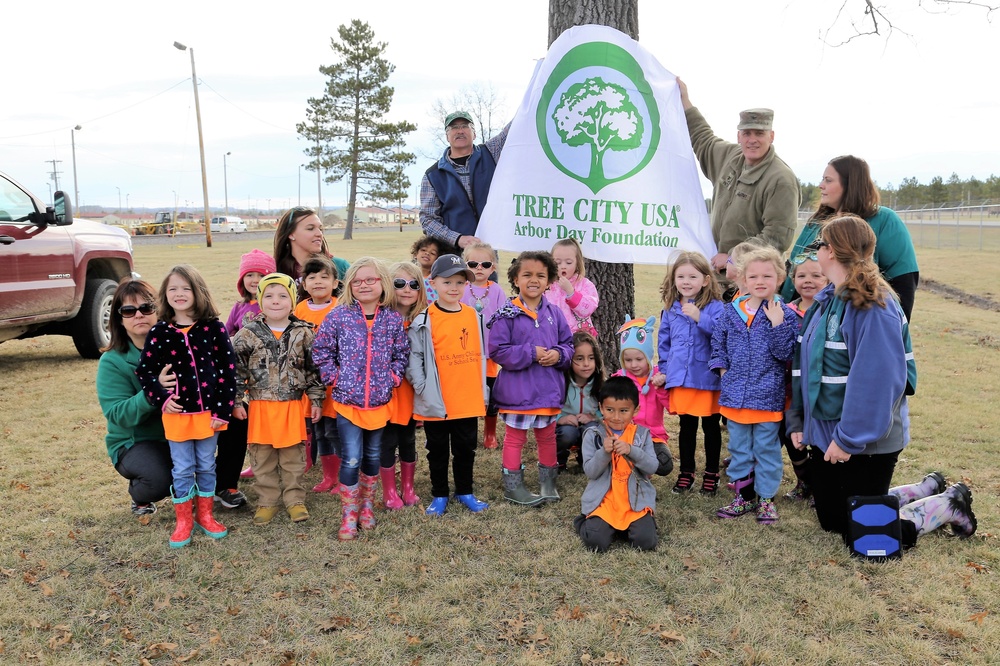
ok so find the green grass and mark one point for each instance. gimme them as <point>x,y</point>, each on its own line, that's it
<point>83,583</point>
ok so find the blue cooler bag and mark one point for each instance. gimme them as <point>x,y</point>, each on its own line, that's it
<point>873,530</point>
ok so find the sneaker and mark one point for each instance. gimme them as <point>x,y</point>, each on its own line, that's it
<point>709,483</point>
<point>231,498</point>
<point>685,480</point>
<point>799,493</point>
<point>298,513</point>
<point>737,508</point>
<point>265,514</point>
<point>767,513</point>
<point>143,509</point>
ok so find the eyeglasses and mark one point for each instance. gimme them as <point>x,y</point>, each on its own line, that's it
<point>459,126</point>
<point>292,212</point>
<point>804,257</point>
<point>360,281</point>
<point>476,264</point>
<point>820,243</point>
<point>399,283</point>
<point>128,311</point>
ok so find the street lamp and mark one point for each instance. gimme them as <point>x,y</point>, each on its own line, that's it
<point>119,199</point>
<point>128,206</point>
<point>76,188</point>
<point>225,180</point>
<point>201,142</point>
<point>300,183</point>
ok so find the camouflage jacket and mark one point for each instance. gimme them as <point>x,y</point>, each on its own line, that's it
<point>279,369</point>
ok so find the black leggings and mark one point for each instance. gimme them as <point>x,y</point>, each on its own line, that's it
<point>833,483</point>
<point>905,286</point>
<point>688,440</point>
<point>402,436</point>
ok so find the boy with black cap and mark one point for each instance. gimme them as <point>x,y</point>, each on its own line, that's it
<point>448,372</point>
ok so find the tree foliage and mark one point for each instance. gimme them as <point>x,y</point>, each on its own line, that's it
<point>600,114</point>
<point>911,193</point>
<point>347,129</point>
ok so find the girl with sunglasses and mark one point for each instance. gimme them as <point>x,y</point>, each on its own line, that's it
<point>401,431</point>
<point>486,296</point>
<point>362,351</point>
<point>135,440</point>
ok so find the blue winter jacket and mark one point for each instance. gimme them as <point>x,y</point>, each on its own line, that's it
<point>457,212</point>
<point>523,384</point>
<point>754,358</point>
<point>361,364</point>
<point>685,347</point>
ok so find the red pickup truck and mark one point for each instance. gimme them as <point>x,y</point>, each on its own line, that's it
<point>57,275</point>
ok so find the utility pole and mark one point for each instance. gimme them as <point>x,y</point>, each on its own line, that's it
<point>54,174</point>
<point>319,187</point>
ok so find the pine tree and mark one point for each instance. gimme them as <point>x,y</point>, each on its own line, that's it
<point>346,128</point>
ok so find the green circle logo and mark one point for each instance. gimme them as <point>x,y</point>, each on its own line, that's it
<point>597,120</point>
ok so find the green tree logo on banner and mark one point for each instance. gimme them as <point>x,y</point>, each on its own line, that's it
<point>597,120</point>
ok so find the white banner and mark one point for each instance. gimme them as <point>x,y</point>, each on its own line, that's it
<point>599,151</point>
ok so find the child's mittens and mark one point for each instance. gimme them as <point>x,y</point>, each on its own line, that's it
<point>664,458</point>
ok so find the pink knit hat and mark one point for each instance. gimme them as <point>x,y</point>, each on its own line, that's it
<point>252,261</point>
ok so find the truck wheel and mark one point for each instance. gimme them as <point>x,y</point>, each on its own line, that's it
<point>90,328</point>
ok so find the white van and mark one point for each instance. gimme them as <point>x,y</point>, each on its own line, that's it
<point>228,224</point>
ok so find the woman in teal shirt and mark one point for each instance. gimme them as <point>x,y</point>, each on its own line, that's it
<point>847,188</point>
<point>135,440</point>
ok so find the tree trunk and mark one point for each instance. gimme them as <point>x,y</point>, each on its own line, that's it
<point>615,282</point>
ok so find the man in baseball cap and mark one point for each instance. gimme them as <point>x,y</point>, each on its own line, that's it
<point>454,189</point>
<point>755,193</point>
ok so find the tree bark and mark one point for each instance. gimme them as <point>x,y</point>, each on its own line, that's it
<point>615,282</point>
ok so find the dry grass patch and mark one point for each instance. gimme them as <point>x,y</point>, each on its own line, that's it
<point>83,583</point>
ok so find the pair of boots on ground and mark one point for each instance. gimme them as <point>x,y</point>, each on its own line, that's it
<point>929,506</point>
<point>194,510</point>
<point>514,490</point>
<point>392,498</point>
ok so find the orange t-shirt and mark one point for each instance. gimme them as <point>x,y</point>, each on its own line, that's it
<point>616,508</point>
<point>184,427</point>
<point>745,416</point>
<point>459,358</point>
<point>277,423</point>
<point>306,311</point>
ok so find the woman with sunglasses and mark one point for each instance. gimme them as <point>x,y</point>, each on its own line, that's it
<point>136,444</point>
<point>486,296</point>
<point>847,188</point>
<point>851,373</point>
<point>299,236</point>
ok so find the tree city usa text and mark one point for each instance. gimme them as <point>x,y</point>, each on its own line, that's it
<point>603,211</point>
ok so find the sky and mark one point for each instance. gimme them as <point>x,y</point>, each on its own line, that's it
<point>920,102</point>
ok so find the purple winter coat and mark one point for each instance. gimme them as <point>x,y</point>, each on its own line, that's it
<point>362,365</point>
<point>523,384</point>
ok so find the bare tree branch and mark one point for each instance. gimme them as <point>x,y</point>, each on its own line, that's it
<point>877,19</point>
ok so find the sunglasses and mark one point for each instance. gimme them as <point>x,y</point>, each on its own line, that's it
<point>128,311</point>
<point>476,264</point>
<point>399,283</point>
<point>804,257</point>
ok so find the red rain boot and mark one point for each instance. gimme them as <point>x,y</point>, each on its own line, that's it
<point>203,519</point>
<point>185,521</point>
<point>490,432</point>
<point>407,470</point>
<point>389,496</point>
<point>331,470</point>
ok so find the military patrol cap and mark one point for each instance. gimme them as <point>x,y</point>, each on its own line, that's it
<point>452,117</point>
<point>762,119</point>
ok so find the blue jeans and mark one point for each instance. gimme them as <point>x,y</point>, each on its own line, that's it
<point>193,462</point>
<point>756,447</point>
<point>359,449</point>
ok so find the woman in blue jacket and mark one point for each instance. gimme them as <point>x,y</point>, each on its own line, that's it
<point>851,374</point>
